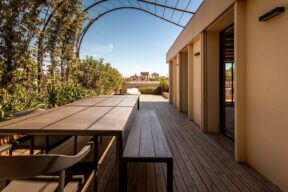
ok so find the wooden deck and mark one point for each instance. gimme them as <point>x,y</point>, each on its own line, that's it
<point>200,162</point>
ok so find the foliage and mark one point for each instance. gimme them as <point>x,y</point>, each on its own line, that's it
<point>20,100</point>
<point>18,23</point>
<point>34,31</point>
<point>148,90</point>
<point>158,78</point>
<point>163,87</point>
<point>99,76</point>
<point>55,96</point>
<point>67,93</point>
<point>38,29</point>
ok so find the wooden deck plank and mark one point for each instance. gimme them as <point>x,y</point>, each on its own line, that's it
<point>190,176</point>
<point>223,166</point>
<point>160,178</point>
<point>159,140</point>
<point>132,177</point>
<point>142,173</point>
<point>193,163</point>
<point>130,149</point>
<point>194,154</point>
<point>146,139</point>
<point>192,151</point>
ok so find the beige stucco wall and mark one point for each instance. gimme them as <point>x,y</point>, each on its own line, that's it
<point>190,81</point>
<point>173,61</point>
<point>196,83</point>
<point>267,91</point>
<point>205,15</point>
<point>178,76</point>
<point>171,91</point>
<point>183,66</point>
<point>212,81</point>
<point>261,77</point>
<point>240,80</point>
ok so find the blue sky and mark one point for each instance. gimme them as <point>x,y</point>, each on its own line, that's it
<point>132,41</point>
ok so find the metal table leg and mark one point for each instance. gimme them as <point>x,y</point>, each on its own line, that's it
<point>95,140</point>
<point>119,161</point>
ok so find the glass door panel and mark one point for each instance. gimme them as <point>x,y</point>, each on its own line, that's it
<point>227,82</point>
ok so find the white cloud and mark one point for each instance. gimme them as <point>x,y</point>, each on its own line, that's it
<point>96,50</point>
<point>103,49</point>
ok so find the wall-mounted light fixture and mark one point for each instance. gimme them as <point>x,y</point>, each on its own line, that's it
<point>271,14</point>
<point>197,54</point>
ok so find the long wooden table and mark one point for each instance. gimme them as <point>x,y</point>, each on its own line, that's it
<point>97,116</point>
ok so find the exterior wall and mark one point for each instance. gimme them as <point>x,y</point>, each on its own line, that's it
<point>205,15</point>
<point>267,93</point>
<point>240,80</point>
<point>197,83</point>
<point>171,90</point>
<point>174,82</point>
<point>212,81</point>
<point>178,76</point>
<point>183,66</point>
<point>261,107</point>
<point>190,81</point>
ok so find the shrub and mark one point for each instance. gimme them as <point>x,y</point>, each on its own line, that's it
<point>64,94</point>
<point>164,87</point>
<point>100,76</point>
<point>18,101</point>
<point>147,90</point>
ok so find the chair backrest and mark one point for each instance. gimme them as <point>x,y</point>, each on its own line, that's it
<point>27,166</point>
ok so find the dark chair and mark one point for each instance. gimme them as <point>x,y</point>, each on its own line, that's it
<point>21,169</point>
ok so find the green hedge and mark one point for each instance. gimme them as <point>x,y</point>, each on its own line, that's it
<point>148,90</point>
<point>163,87</point>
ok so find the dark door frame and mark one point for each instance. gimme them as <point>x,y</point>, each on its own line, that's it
<point>222,84</point>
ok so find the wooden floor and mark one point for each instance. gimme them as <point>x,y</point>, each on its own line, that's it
<point>201,163</point>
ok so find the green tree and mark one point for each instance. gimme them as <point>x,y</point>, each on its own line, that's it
<point>18,24</point>
<point>100,76</point>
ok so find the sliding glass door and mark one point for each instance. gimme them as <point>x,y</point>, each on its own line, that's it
<point>227,98</point>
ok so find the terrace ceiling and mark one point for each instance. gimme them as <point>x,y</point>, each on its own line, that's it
<point>177,12</point>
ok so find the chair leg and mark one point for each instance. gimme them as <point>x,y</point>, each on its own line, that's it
<point>100,140</point>
<point>32,145</point>
<point>95,140</point>
<point>75,144</point>
<point>7,182</point>
<point>47,145</point>
<point>125,175</point>
<point>138,103</point>
<point>61,185</point>
<point>170,176</point>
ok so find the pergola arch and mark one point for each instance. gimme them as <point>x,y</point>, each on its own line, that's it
<point>130,5</point>
<point>92,21</point>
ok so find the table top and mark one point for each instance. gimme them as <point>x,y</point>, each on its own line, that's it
<point>104,115</point>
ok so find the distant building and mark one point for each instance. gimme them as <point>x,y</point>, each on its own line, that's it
<point>155,75</point>
<point>144,76</point>
<point>135,78</point>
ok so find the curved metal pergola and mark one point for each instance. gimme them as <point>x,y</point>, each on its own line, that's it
<point>172,11</point>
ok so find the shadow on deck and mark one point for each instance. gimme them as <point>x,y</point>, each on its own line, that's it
<point>202,162</point>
